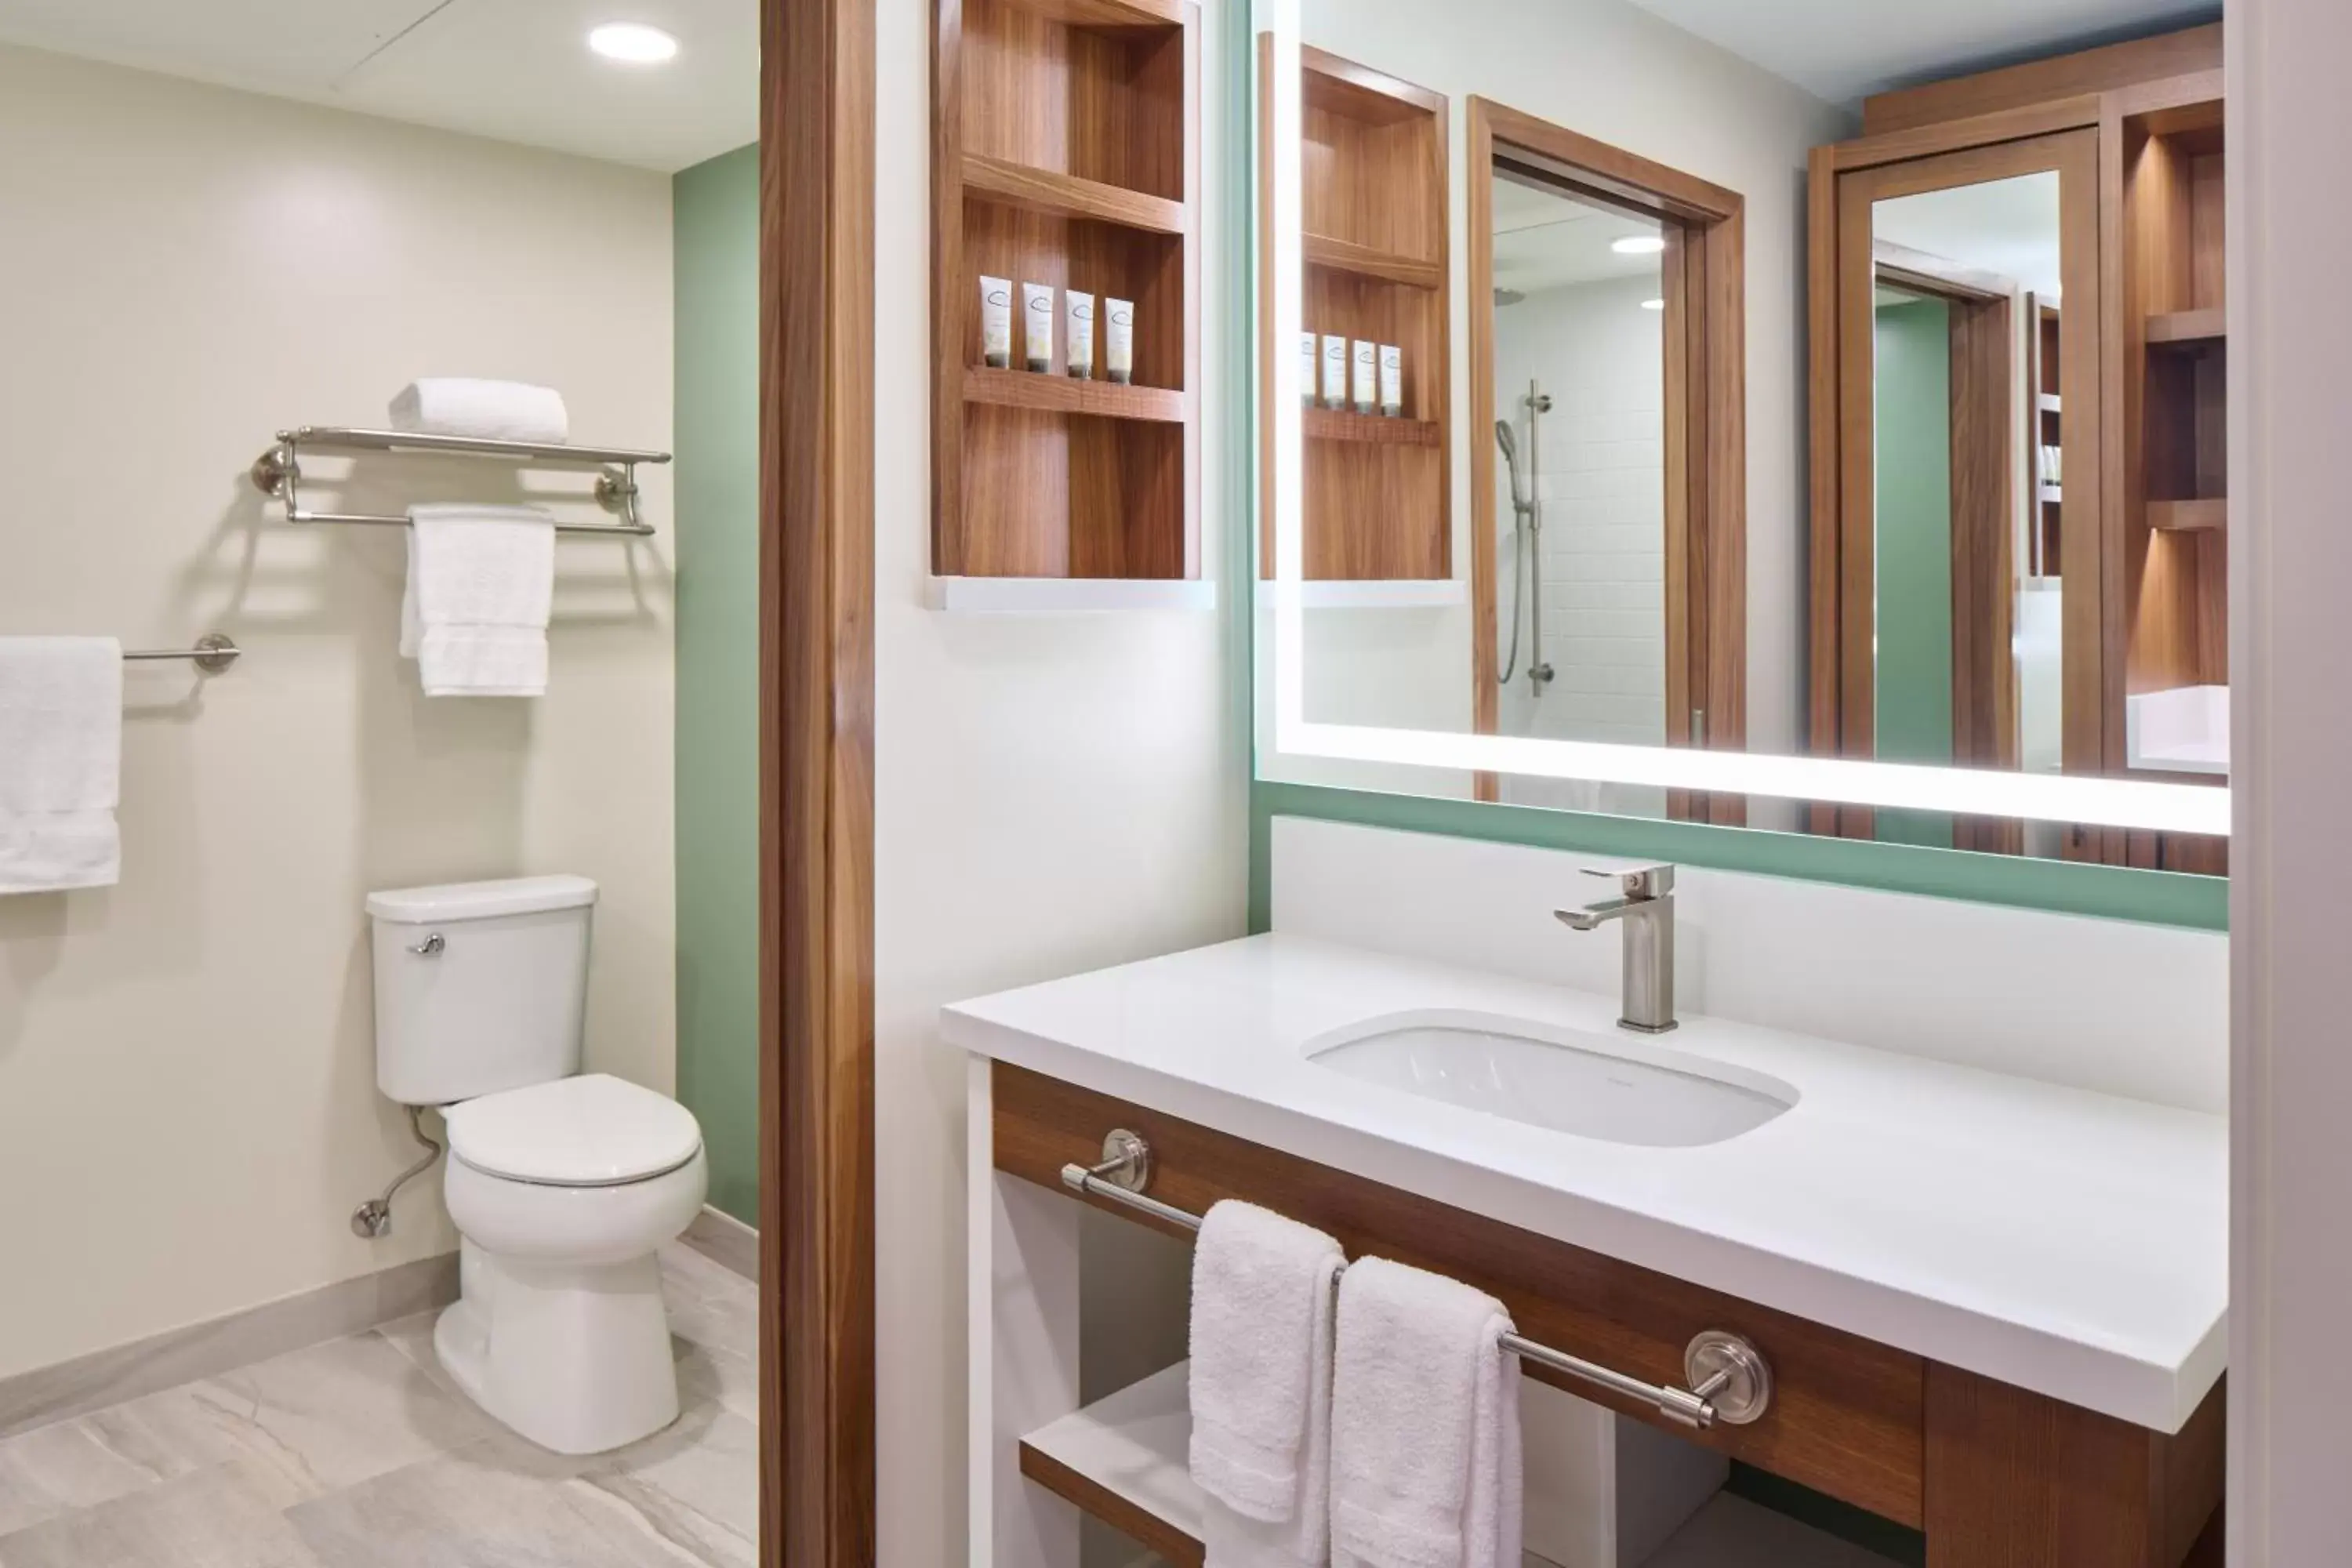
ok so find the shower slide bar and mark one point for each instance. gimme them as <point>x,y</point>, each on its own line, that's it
<point>277,472</point>
<point>1730,1381</point>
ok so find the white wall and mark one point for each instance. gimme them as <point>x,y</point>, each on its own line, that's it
<point>188,1111</point>
<point>1051,794</point>
<point>1611,71</point>
<point>2290,559</point>
<point>1600,358</point>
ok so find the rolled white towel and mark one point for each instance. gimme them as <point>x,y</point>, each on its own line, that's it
<point>491,410</point>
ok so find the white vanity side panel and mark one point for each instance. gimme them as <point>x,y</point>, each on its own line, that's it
<point>2114,1007</point>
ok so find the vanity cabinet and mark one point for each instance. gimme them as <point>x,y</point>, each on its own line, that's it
<point>1994,1475</point>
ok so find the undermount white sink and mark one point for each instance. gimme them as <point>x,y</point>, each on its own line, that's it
<point>1614,1087</point>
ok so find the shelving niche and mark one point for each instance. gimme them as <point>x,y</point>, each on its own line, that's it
<point>1066,145</point>
<point>1378,490</point>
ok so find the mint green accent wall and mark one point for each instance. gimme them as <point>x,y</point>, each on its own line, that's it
<point>1914,395</point>
<point>715,237</point>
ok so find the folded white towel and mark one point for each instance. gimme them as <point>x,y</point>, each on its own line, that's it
<point>497,410</point>
<point>60,762</point>
<point>1425,1464</point>
<point>481,582</point>
<point>1261,1386</point>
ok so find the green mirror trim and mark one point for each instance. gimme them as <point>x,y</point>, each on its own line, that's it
<point>2114,892</point>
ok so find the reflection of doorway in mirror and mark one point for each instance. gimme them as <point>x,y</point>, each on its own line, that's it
<point>1580,565</point>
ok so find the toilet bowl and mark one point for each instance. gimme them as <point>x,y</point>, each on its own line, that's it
<point>562,1185</point>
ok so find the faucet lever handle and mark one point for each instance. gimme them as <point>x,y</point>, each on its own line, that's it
<point>1654,881</point>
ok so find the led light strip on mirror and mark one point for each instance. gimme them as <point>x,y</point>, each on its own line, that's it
<point>2053,798</point>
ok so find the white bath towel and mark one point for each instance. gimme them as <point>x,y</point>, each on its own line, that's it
<point>60,762</point>
<point>481,582</point>
<point>1261,1386</point>
<point>497,410</point>
<point>1425,1465</point>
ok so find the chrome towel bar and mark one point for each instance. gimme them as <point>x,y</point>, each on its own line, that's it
<point>212,654</point>
<point>1730,1381</point>
<point>279,473</point>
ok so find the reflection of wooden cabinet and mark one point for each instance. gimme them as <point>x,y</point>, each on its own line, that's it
<point>1378,490</point>
<point>2123,510</point>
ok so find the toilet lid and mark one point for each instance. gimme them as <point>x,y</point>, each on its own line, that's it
<point>587,1131</point>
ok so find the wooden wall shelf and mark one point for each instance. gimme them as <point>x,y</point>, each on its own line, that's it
<point>1066,150</point>
<point>2191,327</point>
<point>1340,425</point>
<point>1377,210</point>
<point>1367,262</point>
<point>1067,195</point>
<point>2187,516</point>
<point>1066,394</point>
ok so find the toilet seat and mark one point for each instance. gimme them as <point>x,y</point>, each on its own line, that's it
<point>594,1130</point>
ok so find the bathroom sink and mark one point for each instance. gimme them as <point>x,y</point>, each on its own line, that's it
<point>1614,1087</point>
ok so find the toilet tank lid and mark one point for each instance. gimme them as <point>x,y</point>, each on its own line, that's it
<point>480,900</point>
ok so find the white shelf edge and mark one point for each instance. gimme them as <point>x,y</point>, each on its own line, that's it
<point>1389,595</point>
<point>1066,595</point>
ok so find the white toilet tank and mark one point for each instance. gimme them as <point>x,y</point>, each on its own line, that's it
<point>479,987</point>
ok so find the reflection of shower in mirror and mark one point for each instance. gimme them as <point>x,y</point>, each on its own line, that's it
<point>1527,535</point>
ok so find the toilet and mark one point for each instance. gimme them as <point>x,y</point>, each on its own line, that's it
<point>561,1184</point>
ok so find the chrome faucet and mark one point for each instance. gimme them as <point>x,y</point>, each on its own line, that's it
<point>1646,910</point>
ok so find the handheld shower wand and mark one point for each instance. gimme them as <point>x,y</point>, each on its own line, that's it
<point>1526,542</point>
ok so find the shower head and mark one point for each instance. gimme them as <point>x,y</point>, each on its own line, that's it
<point>1508,439</point>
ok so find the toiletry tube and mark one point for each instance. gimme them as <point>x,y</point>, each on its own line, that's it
<point>1078,332</point>
<point>1368,376</point>
<point>1392,381</point>
<point>1119,340</point>
<point>1037,325</point>
<point>996,323</point>
<point>1335,372</point>
<point>1310,361</point>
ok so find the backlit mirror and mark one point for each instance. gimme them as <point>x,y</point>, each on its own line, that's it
<point>1691,431</point>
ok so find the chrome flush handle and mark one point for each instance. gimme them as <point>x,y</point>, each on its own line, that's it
<point>431,946</point>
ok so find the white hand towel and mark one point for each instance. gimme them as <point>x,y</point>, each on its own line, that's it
<point>481,582</point>
<point>1261,1387</point>
<point>497,410</point>
<point>1425,1464</point>
<point>60,762</point>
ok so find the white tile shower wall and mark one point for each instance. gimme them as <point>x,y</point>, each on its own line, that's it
<point>2108,1006</point>
<point>1599,357</point>
<point>188,1108</point>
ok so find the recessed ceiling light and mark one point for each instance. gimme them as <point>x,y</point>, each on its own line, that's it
<point>1639,244</point>
<point>1654,304</point>
<point>632,42</point>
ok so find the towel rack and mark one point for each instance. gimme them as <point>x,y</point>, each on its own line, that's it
<point>1730,1381</point>
<point>279,473</point>
<point>212,654</point>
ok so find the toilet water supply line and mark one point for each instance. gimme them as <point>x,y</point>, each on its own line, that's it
<point>373,1219</point>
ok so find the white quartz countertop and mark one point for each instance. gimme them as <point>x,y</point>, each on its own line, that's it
<point>2070,1243</point>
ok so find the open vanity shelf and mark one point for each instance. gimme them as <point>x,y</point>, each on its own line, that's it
<point>1065,138</point>
<point>1376,208</point>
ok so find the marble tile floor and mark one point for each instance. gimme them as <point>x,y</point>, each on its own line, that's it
<point>359,1453</point>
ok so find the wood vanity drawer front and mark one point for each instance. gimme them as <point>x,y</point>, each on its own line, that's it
<point>1847,1415</point>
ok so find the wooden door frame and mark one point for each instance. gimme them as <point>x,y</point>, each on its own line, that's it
<point>816,783</point>
<point>1847,180</point>
<point>1706,423</point>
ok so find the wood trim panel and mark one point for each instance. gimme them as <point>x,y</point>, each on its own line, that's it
<point>1847,1414</point>
<point>2066,76</point>
<point>1822,383</point>
<point>816,783</point>
<point>1179,1546</point>
<point>1983,132</point>
<point>2019,1480</point>
<point>1611,171</point>
<point>1485,615</point>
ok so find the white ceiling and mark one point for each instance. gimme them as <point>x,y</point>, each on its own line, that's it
<point>514,70</point>
<point>1843,51</point>
<point>1545,240</point>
